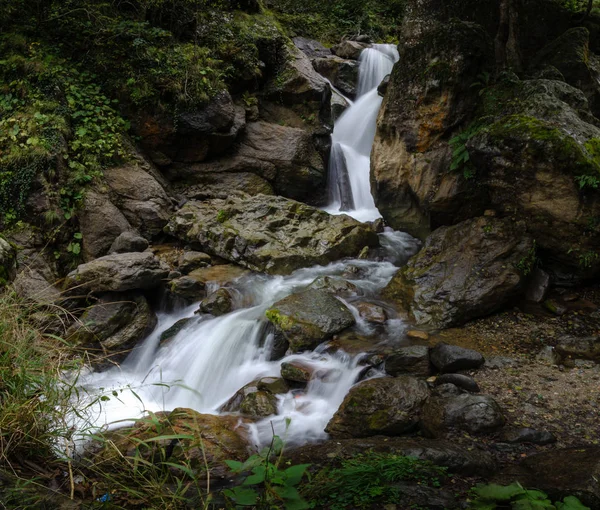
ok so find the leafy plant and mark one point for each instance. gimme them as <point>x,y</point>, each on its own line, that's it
<point>268,485</point>
<point>527,263</point>
<point>461,160</point>
<point>491,496</point>
<point>588,181</point>
<point>369,479</point>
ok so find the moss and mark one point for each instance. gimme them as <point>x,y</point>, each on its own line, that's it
<point>283,322</point>
<point>378,420</point>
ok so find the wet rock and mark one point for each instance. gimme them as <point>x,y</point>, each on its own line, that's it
<point>383,86</point>
<point>296,371</point>
<point>335,285</point>
<point>349,49</point>
<point>389,406</point>
<point>117,272</point>
<point>450,408</point>
<point>311,48</point>
<point>140,197</point>
<point>208,185</point>
<point>412,359</point>
<point>571,347</point>
<point>526,435</point>
<point>269,234</point>
<point>459,380</point>
<point>116,322</point>
<point>31,285</point>
<point>418,335</point>
<point>128,242</point>
<point>223,438</point>
<point>216,116</point>
<point>458,459</point>
<point>218,303</point>
<point>308,318</point>
<point>555,307</point>
<point>221,275</point>
<point>342,73</point>
<point>371,312</point>
<point>274,385</point>
<point>252,401</point>
<point>191,260</point>
<point>538,286</point>
<point>462,272</point>
<point>170,333</point>
<point>100,222</point>
<point>452,358</point>
<point>186,289</point>
<point>566,472</point>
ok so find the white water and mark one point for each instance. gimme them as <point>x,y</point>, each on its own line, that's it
<point>205,364</point>
<point>352,139</point>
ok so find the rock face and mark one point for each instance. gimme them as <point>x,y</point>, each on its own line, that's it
<point>342,73</point>
<point>269,234</point>
<point>117,272</point>
<point>308,318</point>
<point>450,408</point>
<point>389,406</point>
<point>116,322</point>
<point>462,272</point>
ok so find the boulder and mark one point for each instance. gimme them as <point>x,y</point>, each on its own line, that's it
<point>170,333</point>
<point>526,435</point>
<point>117,272</point>
<point>128,242</point>
<point>217,116</point>
<point>412,360</point>
<point>116,322</point>
<point>186,289</point>
<point>566,472</point>
<point>192,260</point>
<point>218,303</point>
<point>342,73</point>
<point>8,265</point>
<point>572,347</point>
<point>459,459</point>
<point>270,234</point>
<point>222,438</point>
<point>140,197</point>
<point>296,371</point>
<point>208,185</point>
<point>349,49</point>
<point>452,358</point>
<point>464,271</point>
<point>389,406</point>
<point>371,312</point>
<point>312,49</point>
<point>252,401</point>
<point>308,318</point>
<point>459,380</point>
<point>334,285</point>
<point>31,285</point>
<point>449,408</point>
<point>100,223</point>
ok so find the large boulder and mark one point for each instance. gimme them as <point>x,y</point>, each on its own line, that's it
<point>312,49</point>
<point>450,408</point>
<point>308,318</point>
<point>464,271</point>
<point>257,399</point>
<point>342,73</point>
<point>453,358</point>
<point>140,197</point>
<point>348,49</point>
<point>117,272</point>
<point>100,223</point>
<point>116,322</point>
<point>413,359</point>
<point>31,285</point>
<point>388,406</point>
<point>269,234</point>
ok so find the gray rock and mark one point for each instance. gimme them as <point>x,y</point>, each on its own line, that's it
<point>500,362</point>
<point>334,285</point>
<point>413,359</point>
<point>128,242</point>
<point>306,319</point>
<point>579,348</point>
<point>117,272</point>
<point>191,260</point>
<point>217,116</point>
<point>555,307</point>
<point>546,355</point>
<point>269,234</point>
<point>311,48</point>
<point>526,435</point>
<point>452,358</point>
<point>371,312</point>
<point>389,406</point>
<point>462,272</point>
<point>296,371</point>
<point>538,286</point>
<point>218,303</point>
<point>116,322</point>
<point>170,333</point>
<point>252,401</point>
<point>450,408</point>
<point>342,73</point>
<point>383,86</point>
<point>459,380</point>
<point>187,289</point>
<point>30,285</point>
<point>349,49</point>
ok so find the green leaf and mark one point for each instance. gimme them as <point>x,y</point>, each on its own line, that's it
<point>234,465</point>
<point>295,473</point>
<point>78,235</point>
<point>242,496</point>
<point>495,492</point>
<point>287,492</point>
<point>76,249</point>
<point>257,476</point>
<point>571,503</point>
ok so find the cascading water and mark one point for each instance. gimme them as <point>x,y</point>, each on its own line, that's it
<point>210,358</point>
<point>353,135</point>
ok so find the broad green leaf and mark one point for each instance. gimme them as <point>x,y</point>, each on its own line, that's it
<point>295,473</point>
<point>257,476</point>
<point>495,492</point>
<point>242,495</point>
<point>234,465</point>
<point>571,503</point>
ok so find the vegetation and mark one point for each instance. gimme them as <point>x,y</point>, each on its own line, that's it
<point>491,496</point>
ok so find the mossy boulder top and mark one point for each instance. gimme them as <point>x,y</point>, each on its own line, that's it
<point>270,234</point>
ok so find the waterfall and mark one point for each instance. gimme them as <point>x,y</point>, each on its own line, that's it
<point>353,135</point>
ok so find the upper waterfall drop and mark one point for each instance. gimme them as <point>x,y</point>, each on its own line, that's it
<point>353,135</point>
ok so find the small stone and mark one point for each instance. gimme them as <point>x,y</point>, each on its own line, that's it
<point>462,381</point>
<point>371,313</point>
<point>527,435</point>
<point>452,358</point>
<point>191,260</point>
<point>186,288</point>
<point>490,213</point>
<point>555,307</point>
<point>218,303</point>
<point>173,275</point>
<point>128,242</point>
<point>419,335</point>
<point>548,355</point>
<point>296,371</point>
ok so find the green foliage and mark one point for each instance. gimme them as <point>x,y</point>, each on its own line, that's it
<point>369,479</point>
<point>588,181</point>
<point>461,161</point>
<point>268,486</point>
<point>491,496</point>
<point>527,263</point>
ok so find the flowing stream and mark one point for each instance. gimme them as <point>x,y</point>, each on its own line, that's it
<point>211,358</point>
<point>353,135</point>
